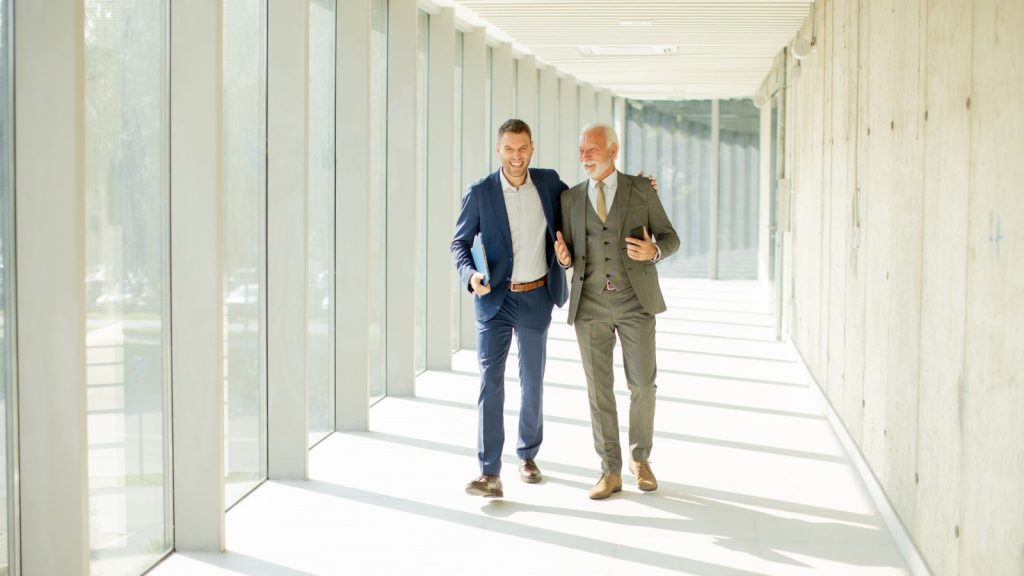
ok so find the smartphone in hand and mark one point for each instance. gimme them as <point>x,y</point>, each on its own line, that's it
<point>637,233</point>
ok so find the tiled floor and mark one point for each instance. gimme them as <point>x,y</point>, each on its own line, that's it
<point>752,478</point>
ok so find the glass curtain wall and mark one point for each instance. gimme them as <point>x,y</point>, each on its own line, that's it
<point>320,217</point>
<point>739,144</point>
<point>422,125</point>
<point>7,325</point>
<point>457,170</point>
<point>244,181</point>
<point>126,283</point>
<point>377,246</point>
<point>672,140</point>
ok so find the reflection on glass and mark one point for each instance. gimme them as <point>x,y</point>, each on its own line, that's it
<point>377,246</point>
<point>672,140</point>
<point>6,296</point>
<point>739,144</point>
<point>423,25</point>
<point>457,156</point>
<point>126,211</point>
<point>244,182</point>
<point>320,303</point>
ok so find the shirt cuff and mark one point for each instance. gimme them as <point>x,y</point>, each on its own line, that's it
<point>657,256</point>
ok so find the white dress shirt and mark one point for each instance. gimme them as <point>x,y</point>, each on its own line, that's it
<point>529,228</point>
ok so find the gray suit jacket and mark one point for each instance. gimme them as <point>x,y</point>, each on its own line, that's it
<point>638,205</point>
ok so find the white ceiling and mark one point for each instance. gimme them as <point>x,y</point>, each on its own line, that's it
<point>724,48</point>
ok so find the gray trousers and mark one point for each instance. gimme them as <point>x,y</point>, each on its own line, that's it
<point>602,316</point>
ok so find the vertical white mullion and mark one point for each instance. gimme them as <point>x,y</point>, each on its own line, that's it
<point>287,233</point>
<point>441,181</point>
<point>713,228</point>
<point>352,209</point>
<point>618,119</point>
<point>526,90</point>
<point>475,152</point>
<point>569,133</point>
<point>49,88</point>
<point>764,197</point>
<point>403,53</point>
<point>196,292</point>
<point>501,91</point>
<point>547,118</point>
<point>588,112</point>
<point>605,112</point>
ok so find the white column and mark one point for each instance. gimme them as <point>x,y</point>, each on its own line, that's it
<point>587,109</point>
<point>287,81</point>
<point>547,120</point>
<point>352,209</point>
<point>403,52</point>
<point>197,341</point>
<point>569,133</point>
<point>604,110</point>
<point>49,193</point>
<point>526,90</point>
<point>501,91</point>
<point>476,154</point>
<point>441,182</point>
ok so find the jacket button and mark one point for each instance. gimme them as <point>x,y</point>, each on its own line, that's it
<point>607,259</point>
<point>605,242</point>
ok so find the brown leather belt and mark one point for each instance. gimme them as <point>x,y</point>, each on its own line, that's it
<point>527,286</point>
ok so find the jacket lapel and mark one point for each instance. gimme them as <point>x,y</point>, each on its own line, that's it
<point>545,203</point>
<point>499,211</point>
<point>625,188</point>
<point>579,218</point>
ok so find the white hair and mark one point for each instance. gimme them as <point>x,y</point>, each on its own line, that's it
<point>610,137</point>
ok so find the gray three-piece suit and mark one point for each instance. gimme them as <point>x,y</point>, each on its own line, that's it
<point>613,294</point>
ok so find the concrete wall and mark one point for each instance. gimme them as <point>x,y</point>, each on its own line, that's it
<point>905,289</point>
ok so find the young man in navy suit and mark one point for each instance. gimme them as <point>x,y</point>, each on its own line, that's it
<point>517,212</point>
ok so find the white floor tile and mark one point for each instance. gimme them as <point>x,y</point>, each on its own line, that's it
<point>752,479</point>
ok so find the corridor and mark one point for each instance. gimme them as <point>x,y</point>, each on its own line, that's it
<point>753,480</point>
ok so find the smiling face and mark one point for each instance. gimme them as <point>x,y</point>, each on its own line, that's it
<point>515,149</point>
<point>596,156</point>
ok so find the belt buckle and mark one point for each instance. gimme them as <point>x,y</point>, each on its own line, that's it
<point>609,286</point>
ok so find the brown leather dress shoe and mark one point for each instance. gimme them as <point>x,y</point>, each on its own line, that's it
<point>645,479</point>
<point>528,471</point>
<point>487,486</point>
<point>607,485</point>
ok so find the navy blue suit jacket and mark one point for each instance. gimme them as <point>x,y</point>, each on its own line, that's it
<point>483,211</point>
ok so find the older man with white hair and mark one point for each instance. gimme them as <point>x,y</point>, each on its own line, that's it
<point>614,230</point>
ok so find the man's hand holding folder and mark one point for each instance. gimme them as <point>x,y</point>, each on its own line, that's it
<point>481,280</point>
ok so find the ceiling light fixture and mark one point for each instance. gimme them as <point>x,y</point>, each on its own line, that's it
<point>640,23</point>
<point>629,50</point>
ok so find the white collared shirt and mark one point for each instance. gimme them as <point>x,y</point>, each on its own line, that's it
<point>528,226</point>
<point>611,184</point>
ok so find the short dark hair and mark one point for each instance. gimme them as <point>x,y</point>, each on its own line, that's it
<point>515,126</point>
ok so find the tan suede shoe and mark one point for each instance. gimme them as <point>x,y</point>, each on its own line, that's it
<point>645,479</point>
<point>607,485</point>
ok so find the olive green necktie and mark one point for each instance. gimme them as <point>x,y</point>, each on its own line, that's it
<point>602,210</point>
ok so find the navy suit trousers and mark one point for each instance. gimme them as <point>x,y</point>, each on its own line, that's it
<point>528,316</point>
